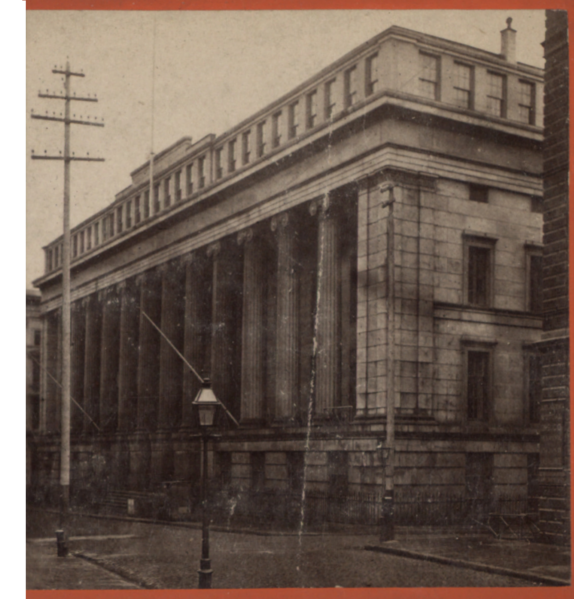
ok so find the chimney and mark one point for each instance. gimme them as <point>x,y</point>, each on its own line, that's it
<point>508,42</point>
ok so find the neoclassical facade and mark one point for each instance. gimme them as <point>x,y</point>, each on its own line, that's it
<point>383,217</point>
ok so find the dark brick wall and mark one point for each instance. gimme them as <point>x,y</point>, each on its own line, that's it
<point>554,475</point>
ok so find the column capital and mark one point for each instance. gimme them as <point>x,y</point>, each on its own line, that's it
<point>213,249</point>
<point>188,258</point>
<point>106,292</point>
<point>321,206</point>
<point>279,221</point>
<point>245,236</point>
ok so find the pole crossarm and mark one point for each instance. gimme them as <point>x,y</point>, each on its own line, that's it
<point>71,158</point>
<point>63,97</point>
<point>66,121</point>
<point>67,72</point>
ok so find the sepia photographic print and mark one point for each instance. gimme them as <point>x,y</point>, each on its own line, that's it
<point>297,299</point>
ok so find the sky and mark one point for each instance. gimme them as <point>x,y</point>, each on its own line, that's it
<point>212,70</point>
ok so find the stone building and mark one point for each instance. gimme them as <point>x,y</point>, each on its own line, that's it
<point>265,255</point>
<point>554,349</point>
<point>33,343</point>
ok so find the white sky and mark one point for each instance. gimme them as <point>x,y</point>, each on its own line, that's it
<point>213,69</point>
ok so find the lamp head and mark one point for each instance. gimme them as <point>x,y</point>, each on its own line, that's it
<point>206,403</point>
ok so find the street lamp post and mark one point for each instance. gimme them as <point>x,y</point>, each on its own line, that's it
<point>206,403</point>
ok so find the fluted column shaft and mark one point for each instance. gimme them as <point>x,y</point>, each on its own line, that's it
<point>252,358</point>
<point>170,364</point>
<point>287,360</point>
<point>92,356</point>
<point>109,360</point>
<point>148,362</point>
<point>128,357</point>
<point>77,358</point>
<point>327,358</point>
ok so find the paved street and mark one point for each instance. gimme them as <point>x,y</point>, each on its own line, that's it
<point>128,554</point>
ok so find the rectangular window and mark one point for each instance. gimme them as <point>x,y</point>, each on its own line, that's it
<point>218,163</point>
<point>293,119</point>
<point>526,99</point>
<point>295,465</point>
<point>371,74</point>
<point>330,103</point>
<point>534,262</point>
<point>119,213</point>
<point>478,385</point>
<point>533,379</point>
<point>56,257</point>
<point>89,238</point>
<point>430,76</point>
<point>463,85</point>
<point>231,155</point>
<point>496,94</point>
<point>177,185</point>
<point>137,213</point>
<point>201,171</point>
<point>48,260</point>
<point>261,139</point>
<point>338,471</point>
<point>37,337</point>
<point>311,109</point>
<point>146,205</point>
<point>276,129</point>
<point>96,234</point>
<point>536,205</point>
<point>257,459</point>
<point>479,270</point>
<point>74,246</point>
<point>111,225</point>
<point>156,204</point>
<point>166,192</point>
<point>478,193</point>
<point>128,214</point>
<point>82,246</point>
<point>246,147</point>
<point>189,179</point>
<point>350,86</point>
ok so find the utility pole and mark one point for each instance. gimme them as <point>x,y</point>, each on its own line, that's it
<point>388,523</point>
<point>61,533</point>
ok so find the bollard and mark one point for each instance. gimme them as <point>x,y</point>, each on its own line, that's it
<point>62,542</point>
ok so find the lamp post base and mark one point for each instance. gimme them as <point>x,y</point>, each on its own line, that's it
<point>205,573</point>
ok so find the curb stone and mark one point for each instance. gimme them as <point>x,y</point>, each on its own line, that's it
<point>541,579</point>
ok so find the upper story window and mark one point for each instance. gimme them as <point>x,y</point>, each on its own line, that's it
<point>48,260</point>
<point>137,210</point>
<point>479,270</point>
<point>536,205</point>
<point>89,238</point>
<point>311,109</point>
<point>478,193</point>
<point>231,155</point>
<point>463,85</point>
<point>478,384</point>
<point>111,225</point>
<point>189,178</point>
<point>218,163</point>
<point>371,74</point>
<point>276,129</point>
<point>350,86</point>
<point>261,139</point>
<point>82,246</point>
<point>177,185</point>
<point>534,263</point>
<point>496,94</point>
<point>533,375</point>
<point>330,102</point>
<point>96,234</point>
<point>74,246</point>
<point>146,206</point>
<point>526,102</point>
<point>293,119</point>
<point>201,170</point>
<point>119,217</point>
<point>156,204</point>
<point>37,337</point>
<point>167,192</point>
<point>430,76</point>
<point>246,147</point>
<point>128,214</point>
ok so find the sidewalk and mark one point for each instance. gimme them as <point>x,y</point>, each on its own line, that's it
<point>535,562</point>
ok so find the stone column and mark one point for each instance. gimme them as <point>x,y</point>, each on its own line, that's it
<point>148,362</point>
<point>286,375</point>
<point>327,325</point>
<point>92,355</point>
<point>252,372</point>
<point>109,359</point>
<point>77,351</point>
<point>128,357</point>
<point>170,364</point>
